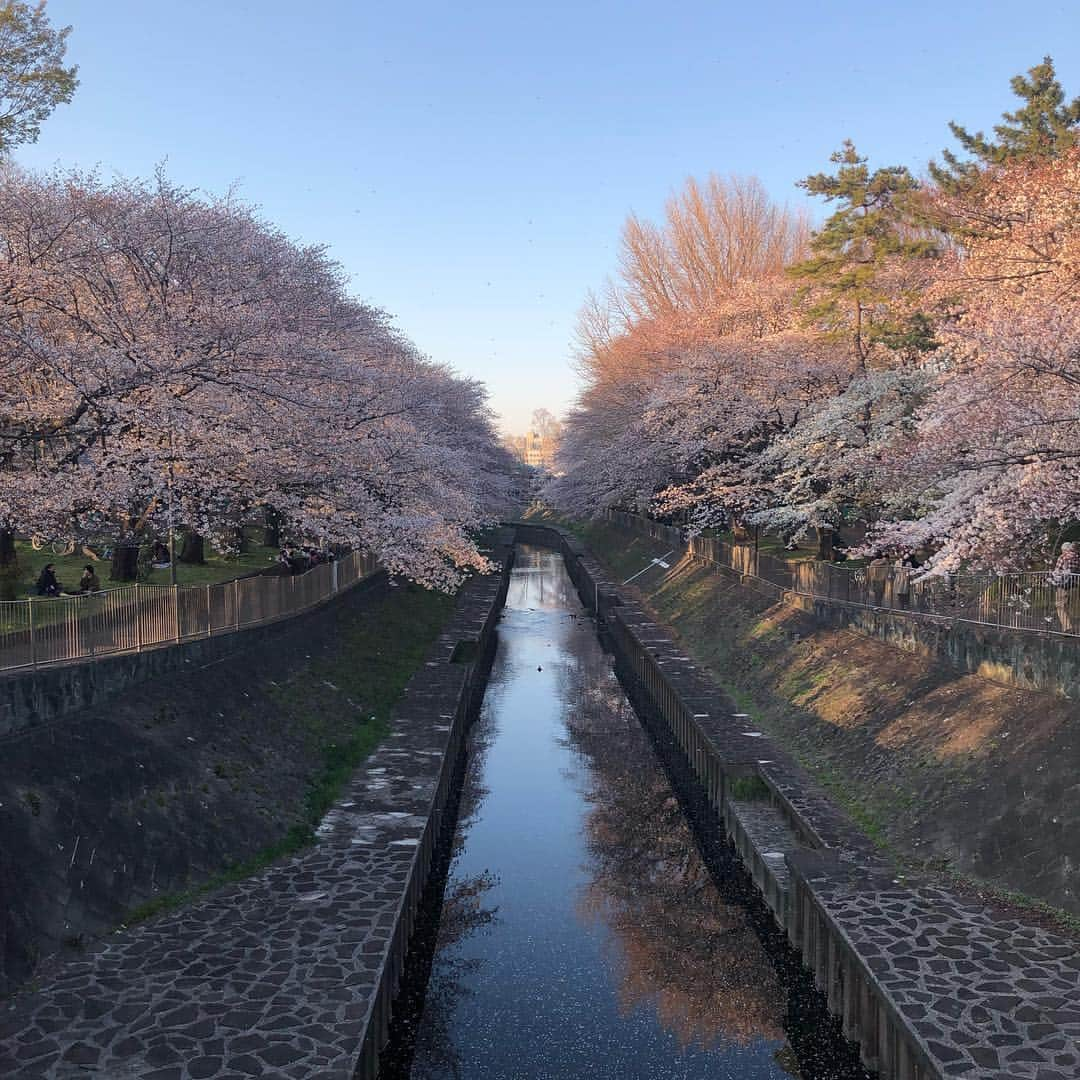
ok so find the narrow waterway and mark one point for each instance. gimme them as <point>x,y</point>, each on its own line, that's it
<point>582,935</point>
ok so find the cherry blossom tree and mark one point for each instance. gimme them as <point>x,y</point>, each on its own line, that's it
<point>681,287</point>
<point>168,358</point>
<point>994,463</point>
<point>915,370</point>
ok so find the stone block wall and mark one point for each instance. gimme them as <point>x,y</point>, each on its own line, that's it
<point>1022,658</point>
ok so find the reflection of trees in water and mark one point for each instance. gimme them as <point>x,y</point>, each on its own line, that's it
<point>463,914</point>
<point>540,580</point>
<point>682,950</point>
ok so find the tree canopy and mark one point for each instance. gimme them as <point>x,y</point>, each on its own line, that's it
<point>33,78</point>
<point>910,369</point>
<point>1044,125</point>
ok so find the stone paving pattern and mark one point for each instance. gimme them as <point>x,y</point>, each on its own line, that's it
<point>983,997</point>
<point>278,975</point>
<point>987,998</point>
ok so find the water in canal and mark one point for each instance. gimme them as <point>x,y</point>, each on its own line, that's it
<point>581,933</point>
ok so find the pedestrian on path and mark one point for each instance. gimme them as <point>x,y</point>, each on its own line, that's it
<point>1065,577</point>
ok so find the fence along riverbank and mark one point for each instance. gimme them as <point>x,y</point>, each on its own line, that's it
<point>928,984</point>
<point>131,618</point>
<point>1021,601</point>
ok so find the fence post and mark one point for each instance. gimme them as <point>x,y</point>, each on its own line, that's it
<point>209,614</point>
<point>86,616</point>
<point>176,611</point>
<point>236,601</point>
<point>138,619</point>
<point>33,641</point>
<point>333,577</point>
<point>75,642</point>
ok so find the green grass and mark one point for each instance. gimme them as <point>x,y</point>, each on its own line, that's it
<point>343,704</point>
<point>748,789</point>
<point>69,568</point>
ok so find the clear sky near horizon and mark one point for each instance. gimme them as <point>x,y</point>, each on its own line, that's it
<point>471,164</point>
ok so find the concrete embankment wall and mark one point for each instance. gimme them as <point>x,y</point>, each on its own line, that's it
<point>1026,659</point>
<point>39,697</point>
<point>925,983</point>
<point>154,788</point>
<point>290,971</point>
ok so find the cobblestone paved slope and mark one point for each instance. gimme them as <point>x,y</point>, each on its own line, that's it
<point>988,998</point>
<point>280,975</point>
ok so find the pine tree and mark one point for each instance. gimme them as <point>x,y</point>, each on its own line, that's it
<point>869,233</point>
<point>1043,126</point>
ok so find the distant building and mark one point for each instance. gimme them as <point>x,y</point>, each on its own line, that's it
<point>534,449</point>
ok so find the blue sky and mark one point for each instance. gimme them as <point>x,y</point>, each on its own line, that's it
<point>471,164</point>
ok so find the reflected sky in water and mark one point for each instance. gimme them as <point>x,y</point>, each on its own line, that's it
<point>581,935</point>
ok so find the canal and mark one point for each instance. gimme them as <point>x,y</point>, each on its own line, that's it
<point>586,928</point>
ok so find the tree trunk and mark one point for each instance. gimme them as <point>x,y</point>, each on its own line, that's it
<point>240,540</point>
<point>9,566</point>
<point>825,543</point>
<point>7,548</point>
<point>125,563</point>
<point>272,529</point>
<point>193,550</point>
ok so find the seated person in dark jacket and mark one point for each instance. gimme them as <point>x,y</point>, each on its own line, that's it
<point>47,585</point>
<point>89,582</point>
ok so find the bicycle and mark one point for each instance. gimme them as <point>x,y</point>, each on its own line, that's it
<point>66,547</point>
<point>58,547</point>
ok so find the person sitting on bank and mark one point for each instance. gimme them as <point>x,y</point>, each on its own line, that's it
<point>47,585</point>
<point>89,582</point>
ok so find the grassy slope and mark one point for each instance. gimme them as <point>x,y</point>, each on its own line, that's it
<point>378,650</point>
<point>948,771</point>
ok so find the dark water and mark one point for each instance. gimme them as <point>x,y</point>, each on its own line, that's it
<point>582,935</point>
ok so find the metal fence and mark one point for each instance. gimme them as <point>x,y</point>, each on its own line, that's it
<point>1036,600</point>
<point>37,632</point>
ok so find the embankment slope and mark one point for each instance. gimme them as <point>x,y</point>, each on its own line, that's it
<point>175,781</point>
<point>947,769</point>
